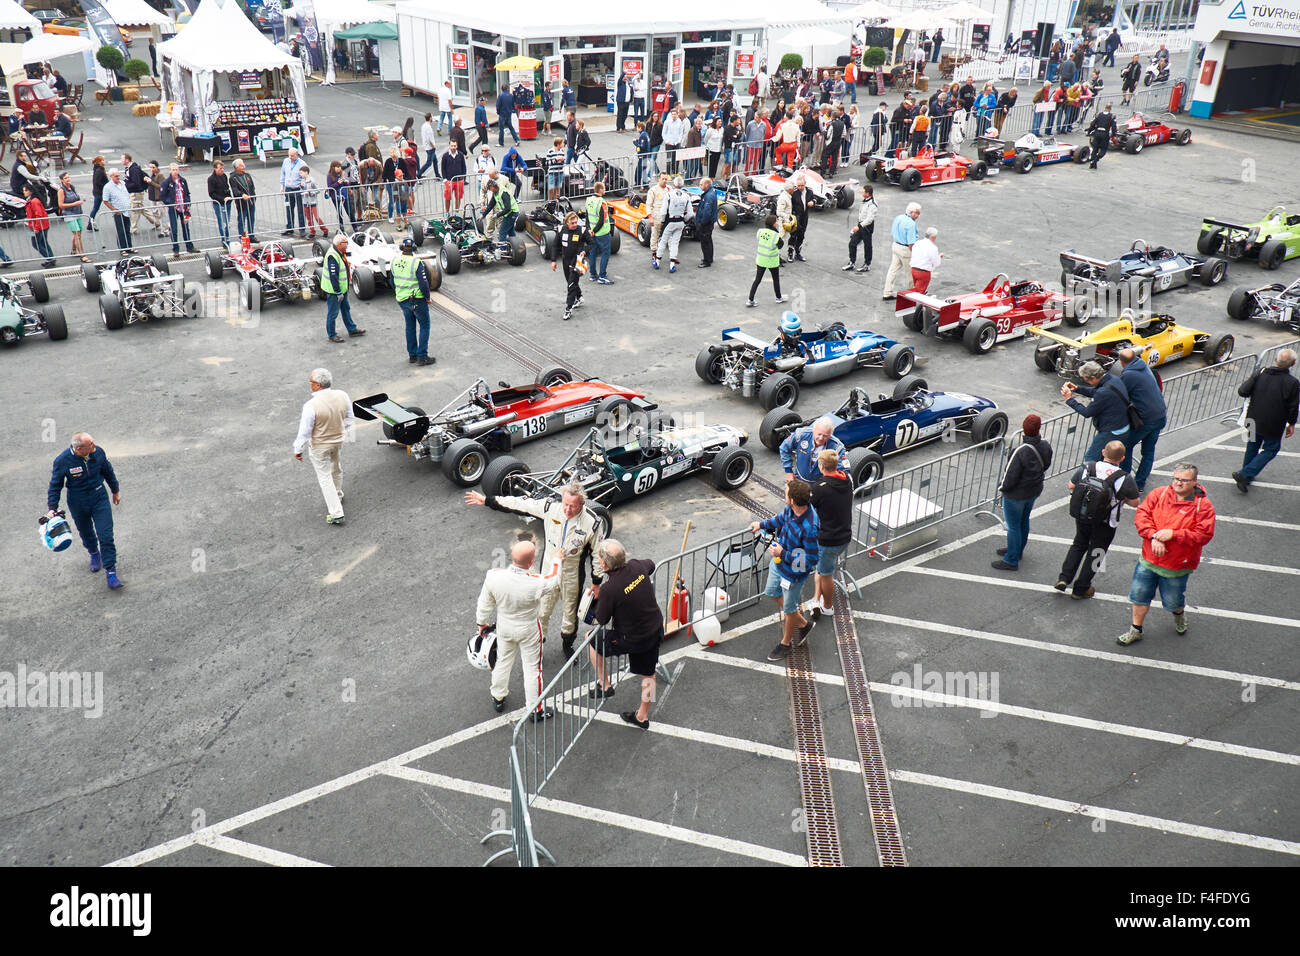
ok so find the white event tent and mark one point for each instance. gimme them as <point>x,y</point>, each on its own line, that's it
<point>334,15</point>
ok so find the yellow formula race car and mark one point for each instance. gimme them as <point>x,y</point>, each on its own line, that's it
<point>1158,339</point>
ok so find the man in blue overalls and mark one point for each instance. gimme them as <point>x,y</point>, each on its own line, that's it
<point>86,470</point>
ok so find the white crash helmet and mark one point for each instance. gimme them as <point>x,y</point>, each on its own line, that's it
<point>55,533</point>
<point>481,650</point>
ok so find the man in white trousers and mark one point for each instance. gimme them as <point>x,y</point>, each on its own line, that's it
<point>326,423</point>
<point>513,596</point>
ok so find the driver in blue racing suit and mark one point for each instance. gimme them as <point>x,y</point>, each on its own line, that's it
<point>788,339</point>
<point>799,451</point>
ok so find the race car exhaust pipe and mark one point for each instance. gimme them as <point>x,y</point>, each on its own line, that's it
<point>487,425</point>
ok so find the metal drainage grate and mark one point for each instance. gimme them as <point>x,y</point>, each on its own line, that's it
<point>871,755</point>
<point>810,748</point>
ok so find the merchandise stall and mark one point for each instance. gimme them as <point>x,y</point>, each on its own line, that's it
<point>372,49</point>
<point>220,76</point>
<point>332,16</point>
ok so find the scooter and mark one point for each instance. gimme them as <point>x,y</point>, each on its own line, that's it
<point>1157,72</point>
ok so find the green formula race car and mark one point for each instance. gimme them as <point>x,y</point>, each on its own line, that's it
<point>1272,240</point>
<point>18,319</point>
<point>461,241</point>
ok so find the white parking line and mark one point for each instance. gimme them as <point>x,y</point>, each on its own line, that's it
<point>1109,656</point>
<point>1113,598</point>
<point>764,667</point>
<point>1228,481</point>
<point>1087,723</point>
<point>252,851</point>
<point>1241,449</point>
<point>1257,522</point>
<point>1177,827</point>
<point>596,815</point>
<point>1206,559</point>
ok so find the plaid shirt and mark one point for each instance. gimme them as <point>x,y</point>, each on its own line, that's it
<point>797,536</point>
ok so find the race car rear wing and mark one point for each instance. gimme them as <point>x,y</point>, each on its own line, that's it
<point>1052,336</point>
<point>1113,268</point>
<point>744,338</point>
<point>407,427</point>
<point>1224,225</point>
<point>938,314</point>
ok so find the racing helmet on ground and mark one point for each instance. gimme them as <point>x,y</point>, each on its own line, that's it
<point>790,324</point>
<point>55,533</point>
<point>481,648</point>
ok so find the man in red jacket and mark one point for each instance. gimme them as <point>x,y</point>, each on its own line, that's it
<point>1174,522</point>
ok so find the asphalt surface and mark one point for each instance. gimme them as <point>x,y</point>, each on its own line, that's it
<point>257,653</point>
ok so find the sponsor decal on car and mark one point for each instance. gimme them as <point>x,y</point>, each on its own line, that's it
<point>579,414</point>
<point>676,469</point>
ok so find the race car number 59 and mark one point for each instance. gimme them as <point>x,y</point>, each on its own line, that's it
<point>645,480</point>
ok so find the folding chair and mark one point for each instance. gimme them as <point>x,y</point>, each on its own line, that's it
<point>733,563</point>
<point>72,152</point>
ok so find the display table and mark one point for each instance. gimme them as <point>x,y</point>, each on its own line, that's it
<point>266,143</point>
<point>205,143</point>
<point>248,137</point>
<point>591,95</point>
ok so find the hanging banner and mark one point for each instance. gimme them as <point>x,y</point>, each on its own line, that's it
<point>979,37</point>
<point>632,66</point>
<point>100,24</point>
<point>310,30</point>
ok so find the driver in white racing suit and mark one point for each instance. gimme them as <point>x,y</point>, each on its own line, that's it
<point>570,527</point>
<point>677,210</point>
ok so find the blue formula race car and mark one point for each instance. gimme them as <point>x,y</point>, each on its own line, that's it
<point>774,370</point>
<point>912,417</point>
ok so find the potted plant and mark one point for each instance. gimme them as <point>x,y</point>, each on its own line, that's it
<point>874,58</point>
<point>791,62</point>
<point>111,59</point>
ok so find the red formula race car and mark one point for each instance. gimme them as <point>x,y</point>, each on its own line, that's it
<point>926,168</point>
<point>1138,133</point>
<point>464,433</point>
<point>270,272</point>
<point>1004,310</point>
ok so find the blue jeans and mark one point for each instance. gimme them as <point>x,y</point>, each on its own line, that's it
<point>444,115</point>
<point>245,213</point>
<point>600,255</point>
<point>506,121</point>
<point>93,517</point>
<point>1173,591</point>
<point>430,157</point>
<point>1258,454</point>
<point>173,215</point>
<point>507,228</point>
<point>336,302</point>
<point>1038,122</point>
<point>416,311</point>
<point>789,595</point>
<point>1051,118</point>
<point>123,226</point>
<point>853,92</point>
<point>1101,440</point>
<point>223,221</point>
<point>1016,514</point>
<point>41,243</point>
<point>1146,436</point>
<point>392,202</point>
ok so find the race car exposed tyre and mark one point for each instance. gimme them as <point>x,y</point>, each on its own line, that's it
<point>864,466</point>
<point>1271,255</point>
<point>1078,310</point>
<point>1242,304</point>
<point>980,336</point>
<point>614,415</point>
<point>159,262</point>
<point>55,322</point>
<point>731,468</point>
<point>556,375</point>
<point>914,319</point>
<point>319,247</point>
<point>1218,348</point>
<point>1066,275</point>
<point>417,233</point>
<point>844,197</point>
<point>498,476</point>
<point>643,232</point>
<point>906,386</point>
<point>708,365</point>
<point>1214,271</point>
<point>1045,359</point>
<point>1023,162</point>
<point>521,222</point>
<point>435,275</point>
<point>251,295</point>
<point>363,283</point>
<point>727,217</point>
<point>449,259</point>
<point>874,170</point>
<point>464,462</point>
<point>899,360</point>
<point>1184,137</point>
<point>988,423</point>
<point>110,310</point>
<point>89,277</point>
<point>614,241</point>
<point>1082,153</point>
<point>216,264</point>
<point>478,221</point>
<point>1209,241</point>
<point>41,289</point>
<point>774,427</point>
<point>518,251</point>
<point>911,179</point>
<point>550,245</point>
<point>778,390</point>
<point>604,523</point>
<point>978,170</point>
<point>389,431</point>
<point>1135,143</point>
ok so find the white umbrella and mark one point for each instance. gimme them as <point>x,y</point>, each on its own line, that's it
<point>871,10</point>
<point>921,20</point>
<point>963,11</point>
<point>50,46</point>
<point>813,36</point>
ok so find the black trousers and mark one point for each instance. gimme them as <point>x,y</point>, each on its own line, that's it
<point>713,164</point>
<point>1089,546</point>
<point>1100,146</point>
<point>572,276</point>
<point>482,131</point>
<point>861,234</point>
<point>758,277</point>
<point>796,237</point>
<point>621,121</point>
<point>705,235</point>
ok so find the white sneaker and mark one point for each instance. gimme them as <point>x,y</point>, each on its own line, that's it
<point>827,610</point>
<point>781,298</point>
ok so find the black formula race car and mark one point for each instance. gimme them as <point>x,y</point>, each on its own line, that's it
<point>612,476</point>
<point>543,225</point>
<point>1276,303</point>
<point>912,417</point>
<point>464,433</point>
<point>1139,273</point>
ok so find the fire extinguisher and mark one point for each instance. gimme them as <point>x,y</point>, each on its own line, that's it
<point>679,604</point>
<point>1176,97</point>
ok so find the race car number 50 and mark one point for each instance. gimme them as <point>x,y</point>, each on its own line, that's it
<point>645,480</point>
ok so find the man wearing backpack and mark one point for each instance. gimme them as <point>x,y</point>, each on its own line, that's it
<point>1109,409</point>
<point>1022,483</point>
<point>1098,492</point>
